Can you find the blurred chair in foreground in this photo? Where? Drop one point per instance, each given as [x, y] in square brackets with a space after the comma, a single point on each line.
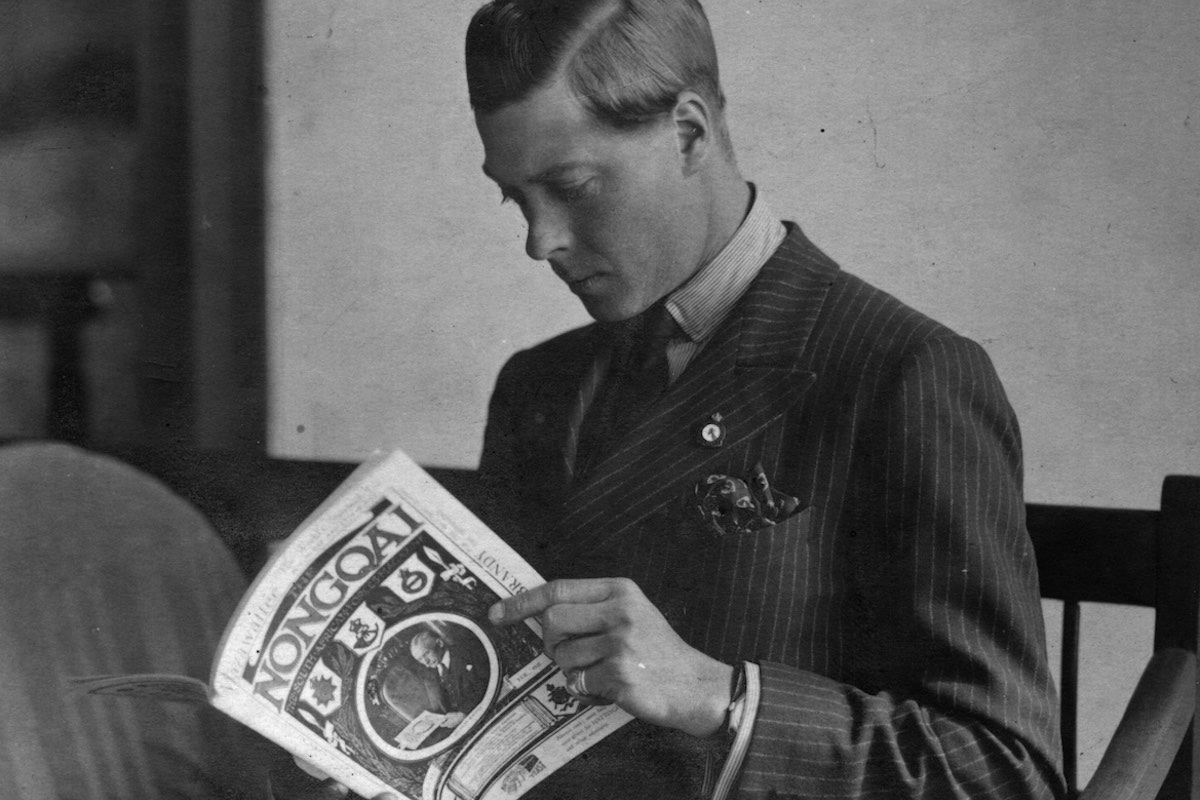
[107, 571]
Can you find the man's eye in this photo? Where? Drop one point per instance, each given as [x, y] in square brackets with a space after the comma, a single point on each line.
[577, 191]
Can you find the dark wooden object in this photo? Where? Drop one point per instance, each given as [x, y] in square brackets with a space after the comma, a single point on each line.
[254, 499]
[63, 301]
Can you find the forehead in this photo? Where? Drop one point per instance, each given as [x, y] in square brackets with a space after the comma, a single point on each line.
[548, 130]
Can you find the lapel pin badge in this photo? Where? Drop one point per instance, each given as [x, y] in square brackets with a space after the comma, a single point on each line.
[712, 433]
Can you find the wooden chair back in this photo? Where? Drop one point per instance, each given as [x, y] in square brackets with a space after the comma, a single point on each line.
[1145, 558]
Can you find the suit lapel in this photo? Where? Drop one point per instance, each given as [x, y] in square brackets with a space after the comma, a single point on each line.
[747, 374]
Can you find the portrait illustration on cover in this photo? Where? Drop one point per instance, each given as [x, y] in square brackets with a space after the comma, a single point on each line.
[428, 685]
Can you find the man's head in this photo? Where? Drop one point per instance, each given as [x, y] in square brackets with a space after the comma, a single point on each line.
[603, 120]
[427, 649]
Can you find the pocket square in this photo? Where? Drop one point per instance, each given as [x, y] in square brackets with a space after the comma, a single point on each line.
[725, 504]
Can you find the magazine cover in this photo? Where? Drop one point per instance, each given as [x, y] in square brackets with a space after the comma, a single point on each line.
[364, 648]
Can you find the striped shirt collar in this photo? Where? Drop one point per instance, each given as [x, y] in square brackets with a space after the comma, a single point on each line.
[706, 298]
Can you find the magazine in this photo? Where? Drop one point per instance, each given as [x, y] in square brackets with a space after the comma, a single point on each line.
[363, 647]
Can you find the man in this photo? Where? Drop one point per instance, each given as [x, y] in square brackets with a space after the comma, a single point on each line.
[460, 674]
[447, 681]
[800, 560]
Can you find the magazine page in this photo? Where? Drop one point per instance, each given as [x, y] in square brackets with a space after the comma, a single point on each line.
[364, 648]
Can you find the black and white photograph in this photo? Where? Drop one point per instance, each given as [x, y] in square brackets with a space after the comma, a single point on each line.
[833, 369]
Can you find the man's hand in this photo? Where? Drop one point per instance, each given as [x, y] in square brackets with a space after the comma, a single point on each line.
[631, 654]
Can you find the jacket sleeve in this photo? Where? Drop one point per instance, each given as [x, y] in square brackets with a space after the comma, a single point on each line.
[961, 703]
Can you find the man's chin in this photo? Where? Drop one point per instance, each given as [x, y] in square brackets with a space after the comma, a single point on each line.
[609, 309]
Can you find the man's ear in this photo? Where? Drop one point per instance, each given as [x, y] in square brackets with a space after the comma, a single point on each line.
[695, 129]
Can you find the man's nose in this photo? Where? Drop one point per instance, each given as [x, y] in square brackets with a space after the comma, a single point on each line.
[548, 233]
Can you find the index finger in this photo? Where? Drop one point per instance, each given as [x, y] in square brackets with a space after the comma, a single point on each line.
[535, 601]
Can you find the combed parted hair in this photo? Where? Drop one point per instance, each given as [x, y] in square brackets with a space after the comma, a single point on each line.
[626, 61]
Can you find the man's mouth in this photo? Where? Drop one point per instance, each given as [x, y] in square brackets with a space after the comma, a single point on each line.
[583, 284]
[578, 283]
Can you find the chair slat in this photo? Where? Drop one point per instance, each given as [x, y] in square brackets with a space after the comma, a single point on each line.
[1069, 695]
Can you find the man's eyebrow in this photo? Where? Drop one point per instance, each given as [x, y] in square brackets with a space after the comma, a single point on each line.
[558, 171]
[548, 175]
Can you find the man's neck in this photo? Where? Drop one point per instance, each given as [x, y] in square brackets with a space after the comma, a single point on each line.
[731, 197]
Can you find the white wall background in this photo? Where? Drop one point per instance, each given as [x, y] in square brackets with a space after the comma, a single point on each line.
[1028, 173]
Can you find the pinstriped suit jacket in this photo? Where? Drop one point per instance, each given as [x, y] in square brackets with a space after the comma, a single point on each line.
[896, 617]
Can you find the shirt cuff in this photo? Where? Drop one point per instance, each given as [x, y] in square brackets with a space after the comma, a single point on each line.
[743, 728]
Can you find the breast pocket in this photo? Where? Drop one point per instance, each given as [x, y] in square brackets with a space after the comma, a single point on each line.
[747, 557]
[754, 582]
